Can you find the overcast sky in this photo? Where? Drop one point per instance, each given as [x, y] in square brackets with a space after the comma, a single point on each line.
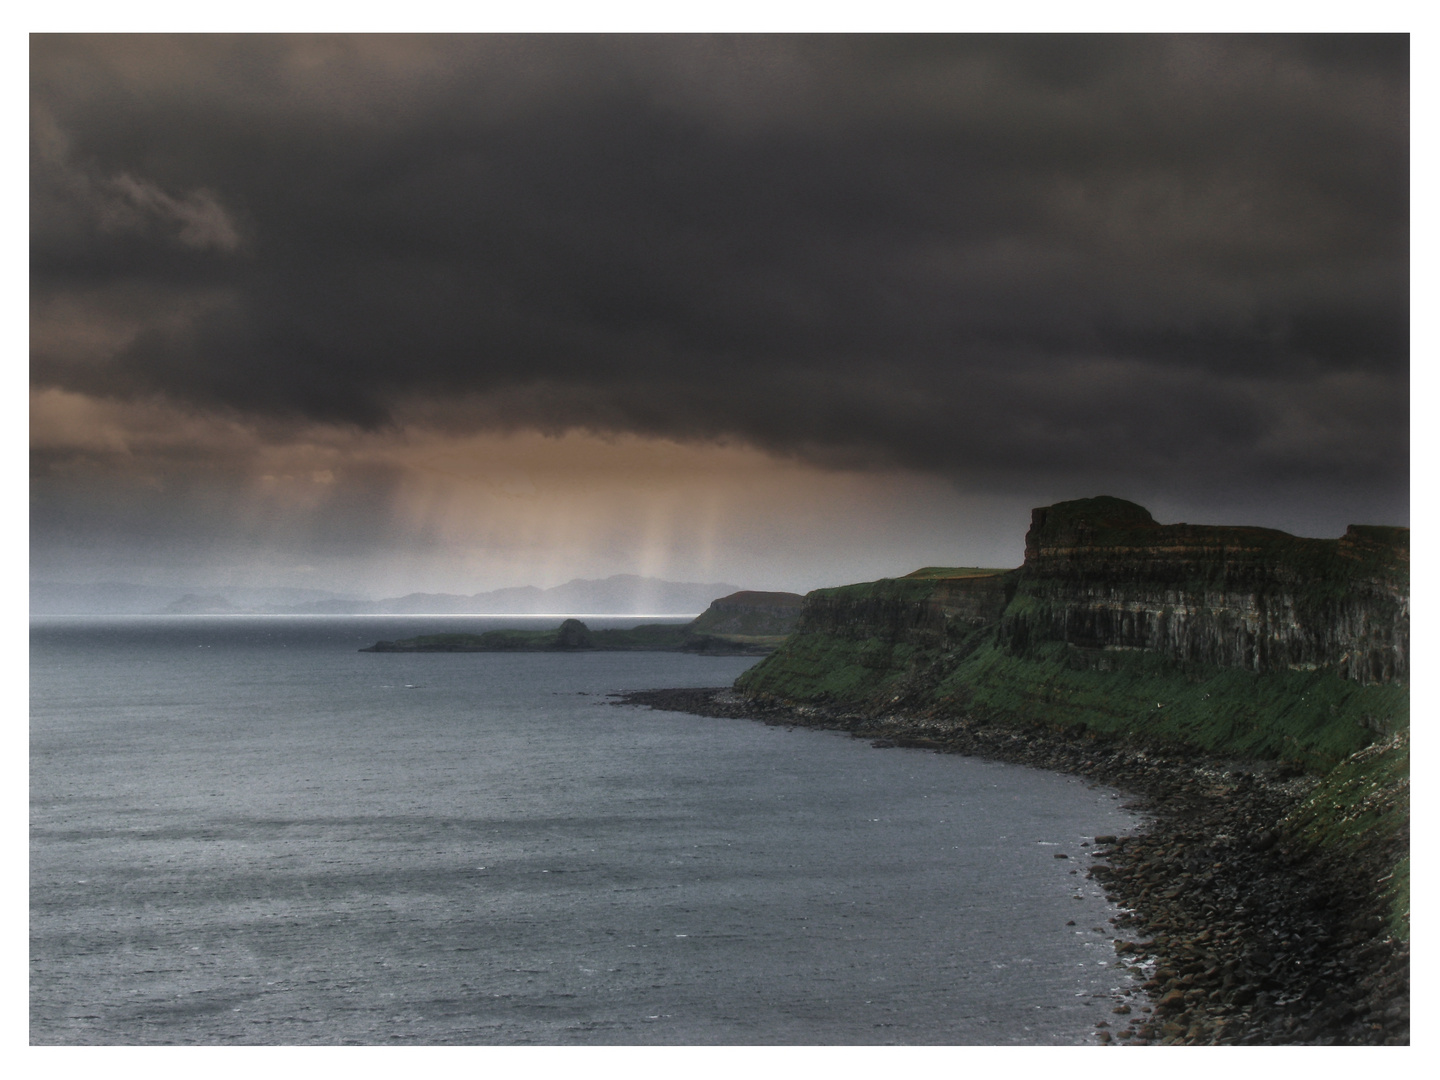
[383, 314]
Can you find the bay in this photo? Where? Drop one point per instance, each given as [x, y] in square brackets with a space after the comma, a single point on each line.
[243, 830]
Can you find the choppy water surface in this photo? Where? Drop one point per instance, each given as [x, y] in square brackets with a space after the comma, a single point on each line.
[245, 831]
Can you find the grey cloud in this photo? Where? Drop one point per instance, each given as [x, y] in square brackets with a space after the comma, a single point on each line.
[71, 201]
[1072, 260]
[197, 218]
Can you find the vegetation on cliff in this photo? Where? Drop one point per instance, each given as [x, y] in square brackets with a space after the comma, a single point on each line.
[1358, 816]
[1227, 640]
[762, 619]
[1313, 718]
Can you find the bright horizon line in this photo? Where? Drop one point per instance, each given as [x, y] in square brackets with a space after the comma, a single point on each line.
[379, 615]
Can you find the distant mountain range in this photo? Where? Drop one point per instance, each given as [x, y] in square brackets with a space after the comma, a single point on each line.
[120, 598]
[621, 594]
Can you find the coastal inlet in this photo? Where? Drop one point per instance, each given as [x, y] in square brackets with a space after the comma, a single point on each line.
[246, 831]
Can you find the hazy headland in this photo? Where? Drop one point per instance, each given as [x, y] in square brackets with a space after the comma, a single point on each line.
[619, 594]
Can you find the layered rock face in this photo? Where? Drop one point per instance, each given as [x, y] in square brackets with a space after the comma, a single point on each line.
[927, 611]
[1102, 574]
[750, 613]
[1103, 590]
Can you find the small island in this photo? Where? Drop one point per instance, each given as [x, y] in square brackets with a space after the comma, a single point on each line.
[741, 624]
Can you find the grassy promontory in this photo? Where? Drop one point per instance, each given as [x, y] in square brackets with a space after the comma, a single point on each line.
[1225, 640]
[1313, 718]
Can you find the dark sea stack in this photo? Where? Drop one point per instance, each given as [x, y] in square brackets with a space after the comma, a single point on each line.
[573, 634]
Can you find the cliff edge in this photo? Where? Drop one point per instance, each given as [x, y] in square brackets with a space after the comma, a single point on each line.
[1220, 638]
[1102, 573]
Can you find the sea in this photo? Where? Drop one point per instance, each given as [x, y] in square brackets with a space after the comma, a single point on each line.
[246, 831]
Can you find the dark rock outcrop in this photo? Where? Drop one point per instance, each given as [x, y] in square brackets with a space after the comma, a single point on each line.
[1103, 574]
[750, 613]
[929, 612]
[573, 634]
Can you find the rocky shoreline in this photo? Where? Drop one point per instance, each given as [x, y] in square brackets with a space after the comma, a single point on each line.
[1241, 933]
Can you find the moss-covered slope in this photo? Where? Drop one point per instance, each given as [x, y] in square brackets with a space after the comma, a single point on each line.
[750, 616]
[1359, 818]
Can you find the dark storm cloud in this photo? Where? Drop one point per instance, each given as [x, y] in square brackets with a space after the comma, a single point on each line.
[991, 257]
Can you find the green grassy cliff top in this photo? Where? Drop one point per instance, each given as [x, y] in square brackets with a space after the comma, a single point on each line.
[926, 573]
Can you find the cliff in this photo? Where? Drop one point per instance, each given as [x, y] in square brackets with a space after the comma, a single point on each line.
[931, 608]
[750, 614]
[1103, 574]
[1227, 639]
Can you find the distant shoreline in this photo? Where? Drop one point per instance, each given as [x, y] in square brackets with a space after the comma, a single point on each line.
[677, 617]
[622, 594]
[745, 623]
[574, 636]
